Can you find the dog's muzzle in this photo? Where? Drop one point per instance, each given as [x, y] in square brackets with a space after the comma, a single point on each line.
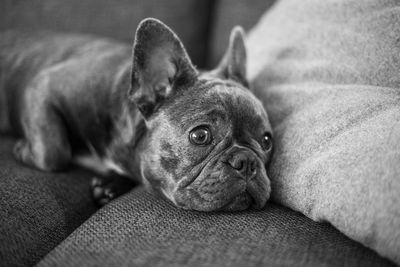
[237, 180]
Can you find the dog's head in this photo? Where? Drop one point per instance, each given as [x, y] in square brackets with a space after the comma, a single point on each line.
[208, 138]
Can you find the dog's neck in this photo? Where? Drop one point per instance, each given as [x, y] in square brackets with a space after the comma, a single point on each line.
[129, 127]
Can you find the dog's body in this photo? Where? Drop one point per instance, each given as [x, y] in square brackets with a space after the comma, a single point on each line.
[83, 78]
[81, 99]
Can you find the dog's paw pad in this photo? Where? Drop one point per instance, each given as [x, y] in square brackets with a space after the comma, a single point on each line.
[97, 192]
[109, 193]
[102, 193]
[96, 182]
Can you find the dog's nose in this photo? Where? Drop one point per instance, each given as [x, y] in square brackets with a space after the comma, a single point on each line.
[244, 162]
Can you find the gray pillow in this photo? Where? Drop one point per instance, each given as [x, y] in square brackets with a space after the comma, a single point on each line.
[328, 74]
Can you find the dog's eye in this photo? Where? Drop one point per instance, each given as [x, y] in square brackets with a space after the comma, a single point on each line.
[266, 142]
[200, 136]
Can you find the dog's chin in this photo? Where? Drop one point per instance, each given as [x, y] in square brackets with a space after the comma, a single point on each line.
[222, 190]
[242, 201]
[193, 201]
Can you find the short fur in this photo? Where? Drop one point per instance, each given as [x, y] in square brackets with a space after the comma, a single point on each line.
[81, 99]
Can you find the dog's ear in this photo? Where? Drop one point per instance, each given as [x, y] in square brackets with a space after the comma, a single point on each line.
[233, 64]
[160, 65]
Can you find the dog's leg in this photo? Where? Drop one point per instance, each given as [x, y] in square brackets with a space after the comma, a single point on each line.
[111, 182]
[48, 149]
[45, 145]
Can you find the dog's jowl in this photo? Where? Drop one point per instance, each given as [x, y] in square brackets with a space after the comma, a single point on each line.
[200, 139]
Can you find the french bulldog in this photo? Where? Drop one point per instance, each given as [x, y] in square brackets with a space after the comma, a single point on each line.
[200, 139]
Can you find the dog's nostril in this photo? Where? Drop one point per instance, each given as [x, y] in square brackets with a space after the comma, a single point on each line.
[240, 165]
[253, 165]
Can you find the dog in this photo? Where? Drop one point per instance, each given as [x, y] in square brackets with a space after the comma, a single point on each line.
[200, 139]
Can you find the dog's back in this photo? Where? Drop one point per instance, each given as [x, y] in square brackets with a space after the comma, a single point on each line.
[24, 55]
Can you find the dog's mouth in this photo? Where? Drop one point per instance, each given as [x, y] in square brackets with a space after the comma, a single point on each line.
[219, 187]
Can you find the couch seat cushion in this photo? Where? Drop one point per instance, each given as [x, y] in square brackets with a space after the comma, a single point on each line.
[37, 210]
[139, 229]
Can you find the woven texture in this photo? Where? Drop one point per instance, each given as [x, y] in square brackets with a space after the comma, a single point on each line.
[328, 75]
[117, 19]
[139, 229]
[37, 210]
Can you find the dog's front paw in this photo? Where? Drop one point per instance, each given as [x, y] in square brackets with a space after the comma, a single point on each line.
[21, 151]
[105, 189]
[102, 191]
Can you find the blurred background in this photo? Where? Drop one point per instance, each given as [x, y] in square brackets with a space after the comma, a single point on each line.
[203, 25]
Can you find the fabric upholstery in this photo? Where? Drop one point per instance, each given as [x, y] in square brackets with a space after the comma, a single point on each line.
[37, 210]
[139, 229]
[117, 19]
[328, 74]
[226, 15]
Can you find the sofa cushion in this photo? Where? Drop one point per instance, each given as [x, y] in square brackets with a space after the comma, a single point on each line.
[139, 229]
[117, 19]
[328, 75]
[37, 210]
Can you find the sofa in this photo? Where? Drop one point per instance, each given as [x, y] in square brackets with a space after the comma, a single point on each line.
[326, 73]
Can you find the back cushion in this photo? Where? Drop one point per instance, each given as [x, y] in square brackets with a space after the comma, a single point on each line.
[328, 74]
[226, 15]
[117, 19]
